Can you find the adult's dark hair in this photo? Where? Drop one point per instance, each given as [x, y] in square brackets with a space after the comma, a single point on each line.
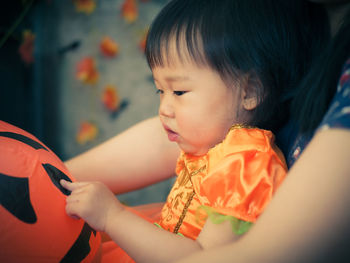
[268, 39]
[319, 86]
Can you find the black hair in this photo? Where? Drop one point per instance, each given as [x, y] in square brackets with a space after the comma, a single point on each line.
[269, 39]
[319, 86]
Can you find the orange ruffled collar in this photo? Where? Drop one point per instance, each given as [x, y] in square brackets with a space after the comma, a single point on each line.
[246, 164]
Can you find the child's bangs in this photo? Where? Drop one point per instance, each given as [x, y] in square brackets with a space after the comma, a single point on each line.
[175, 37]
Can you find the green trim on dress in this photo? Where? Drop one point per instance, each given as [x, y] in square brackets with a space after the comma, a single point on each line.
[239, 226]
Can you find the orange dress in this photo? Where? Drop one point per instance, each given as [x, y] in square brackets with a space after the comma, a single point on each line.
[234, 181]
[236, 178]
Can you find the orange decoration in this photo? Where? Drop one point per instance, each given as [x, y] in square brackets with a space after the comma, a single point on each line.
[27, 47]
[110, 98]
[142, 43]
[109, 47]
[85, 6]
[34, 224]
[130, 11]
[87, 132]
[86, 71]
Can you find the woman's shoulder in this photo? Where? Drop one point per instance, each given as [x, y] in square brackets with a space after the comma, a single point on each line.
[338, 114]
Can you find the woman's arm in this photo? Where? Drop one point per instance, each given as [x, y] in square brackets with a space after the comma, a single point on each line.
[308, 219]
[140, 156]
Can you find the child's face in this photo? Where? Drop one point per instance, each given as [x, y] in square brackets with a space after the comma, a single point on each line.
[196, 107]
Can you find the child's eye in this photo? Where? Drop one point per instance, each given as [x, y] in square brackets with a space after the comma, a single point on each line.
[179, 93]
[159, 91]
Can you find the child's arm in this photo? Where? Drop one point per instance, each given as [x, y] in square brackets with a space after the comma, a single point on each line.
[113, 162]
[142, 240]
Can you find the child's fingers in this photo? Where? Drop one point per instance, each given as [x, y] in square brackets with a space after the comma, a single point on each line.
[72, 186]
[75, 201]
[72, 211]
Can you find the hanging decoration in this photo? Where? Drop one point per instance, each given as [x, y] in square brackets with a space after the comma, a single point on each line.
[109, 47]
[86, 71]
[110, 98]
[85, 6]
[142, 43]
[87, 132]
[26, 49]
[129, 11]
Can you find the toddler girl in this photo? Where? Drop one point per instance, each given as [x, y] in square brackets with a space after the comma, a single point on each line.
[222, 70]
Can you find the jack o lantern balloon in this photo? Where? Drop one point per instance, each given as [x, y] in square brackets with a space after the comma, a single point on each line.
[34, 226]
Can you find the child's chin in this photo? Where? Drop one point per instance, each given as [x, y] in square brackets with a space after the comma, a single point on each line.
[193, 151]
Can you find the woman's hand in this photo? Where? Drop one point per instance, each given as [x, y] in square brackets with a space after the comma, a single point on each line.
[93, 202]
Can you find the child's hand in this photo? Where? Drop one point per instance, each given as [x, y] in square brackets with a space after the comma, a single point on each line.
[93, 202]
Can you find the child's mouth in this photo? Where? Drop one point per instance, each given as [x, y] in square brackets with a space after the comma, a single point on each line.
[172, 136]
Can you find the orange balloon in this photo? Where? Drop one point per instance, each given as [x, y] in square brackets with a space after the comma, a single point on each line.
[34, 225]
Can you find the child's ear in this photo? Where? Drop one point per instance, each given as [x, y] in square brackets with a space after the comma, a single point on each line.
[250, 93]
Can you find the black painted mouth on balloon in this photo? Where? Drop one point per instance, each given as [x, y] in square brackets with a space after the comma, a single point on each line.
[81, 247]
[15, 198]
[56, 175]
[26, 140]
[14, 191]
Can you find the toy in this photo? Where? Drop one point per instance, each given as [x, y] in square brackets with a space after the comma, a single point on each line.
[34, 225]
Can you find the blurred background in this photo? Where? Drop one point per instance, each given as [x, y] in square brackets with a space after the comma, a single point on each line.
[74, 73]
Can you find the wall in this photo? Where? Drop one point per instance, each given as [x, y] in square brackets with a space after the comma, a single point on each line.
[64, 37]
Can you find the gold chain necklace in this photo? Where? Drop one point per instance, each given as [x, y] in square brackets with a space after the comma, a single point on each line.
[184, 211]
[188, 203]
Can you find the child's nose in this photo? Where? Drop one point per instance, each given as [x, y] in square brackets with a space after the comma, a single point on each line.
[165, 107]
